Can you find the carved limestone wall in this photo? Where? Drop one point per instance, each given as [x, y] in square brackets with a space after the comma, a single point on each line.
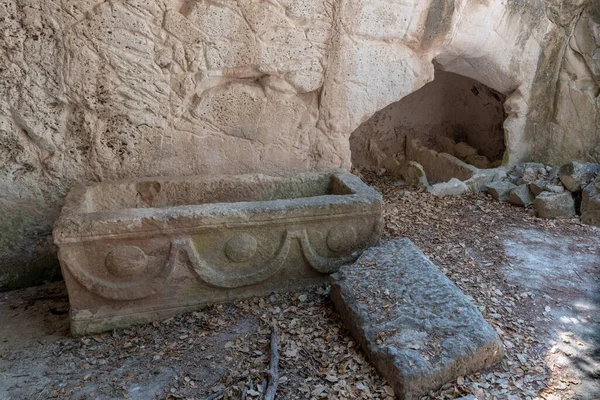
[101, 89]
[450, 107]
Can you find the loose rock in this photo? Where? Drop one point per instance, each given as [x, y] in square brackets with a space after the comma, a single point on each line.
[464, 150]
[500, 190]
[414, 174]
[521, 196]
[537, 187]
[552, 205]
[478, 161]
[418, 329]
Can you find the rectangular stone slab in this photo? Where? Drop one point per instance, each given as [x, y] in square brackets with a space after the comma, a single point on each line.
[417, 328]
[138, 250]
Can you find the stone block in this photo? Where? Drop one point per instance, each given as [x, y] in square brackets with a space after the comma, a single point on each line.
[138, 250]
[416, 327]
[500, 190]
[521, 196]
[464, 150]
[552, 205]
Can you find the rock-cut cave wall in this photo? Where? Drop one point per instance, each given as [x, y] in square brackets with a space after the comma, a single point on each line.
[102, 89]
[449, 107]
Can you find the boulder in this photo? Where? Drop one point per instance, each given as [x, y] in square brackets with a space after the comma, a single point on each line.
[576, 175]
[454, 187]
[500, 190]
[590, 204]
[521, 196]
[416, 327]
[464, 150]
[552, 205]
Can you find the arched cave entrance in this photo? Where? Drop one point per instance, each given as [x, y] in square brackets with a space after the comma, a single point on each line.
[452, 114]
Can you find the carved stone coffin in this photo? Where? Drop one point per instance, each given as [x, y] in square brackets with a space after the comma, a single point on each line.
[134, 251]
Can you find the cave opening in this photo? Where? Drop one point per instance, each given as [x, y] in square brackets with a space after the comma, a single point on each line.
[452, 114]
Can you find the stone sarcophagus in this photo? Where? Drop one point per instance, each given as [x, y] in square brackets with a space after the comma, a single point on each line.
[137, 250]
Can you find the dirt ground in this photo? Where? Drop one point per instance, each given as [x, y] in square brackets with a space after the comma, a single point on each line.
[535, 281]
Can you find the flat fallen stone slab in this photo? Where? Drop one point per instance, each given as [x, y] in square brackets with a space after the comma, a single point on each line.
[417, 328]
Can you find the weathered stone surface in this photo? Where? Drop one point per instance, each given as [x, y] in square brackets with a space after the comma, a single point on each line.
[439, 167]
[554, 188]
[552, 205]
[102, 90]
[576, 175]
[413, 174]
[529, 176]
[464, 150]
[478, 161]
[454, 187]
[500, 190]
[537, 187]
[416, 327]
[136, 250]
[521, 196]
[590, 204]
[481, 178]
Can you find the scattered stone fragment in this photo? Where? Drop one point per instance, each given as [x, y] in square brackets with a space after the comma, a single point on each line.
[454, 187]
[590, 204]
[464, 150]
[552, 205]
[500, 190]
[418, 329]
[576, 175]
[521, 196]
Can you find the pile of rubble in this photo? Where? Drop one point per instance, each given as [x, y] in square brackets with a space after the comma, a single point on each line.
[465, 152]
[554, 192]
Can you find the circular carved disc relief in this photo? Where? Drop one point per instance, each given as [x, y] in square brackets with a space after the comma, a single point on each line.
[126, 261]
[341, 238]
[241, 247]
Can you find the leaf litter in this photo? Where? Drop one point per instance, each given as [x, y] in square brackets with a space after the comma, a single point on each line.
[222, 351]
